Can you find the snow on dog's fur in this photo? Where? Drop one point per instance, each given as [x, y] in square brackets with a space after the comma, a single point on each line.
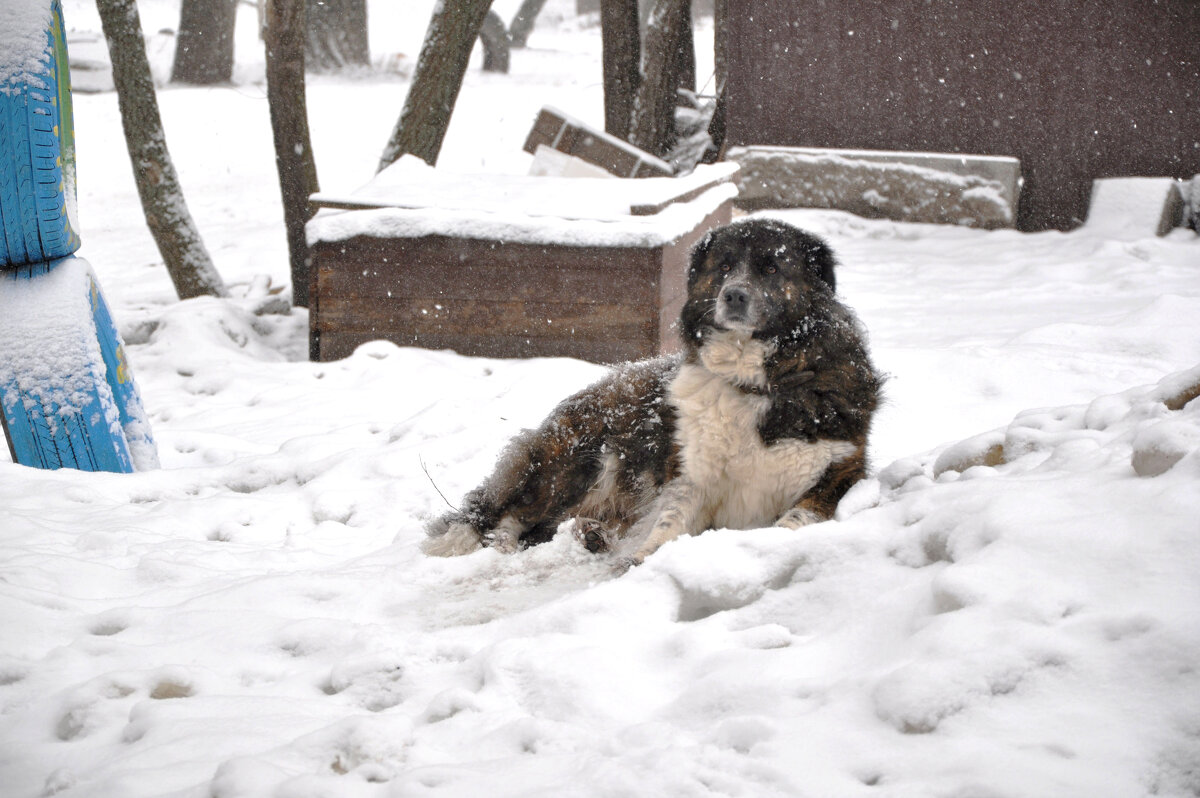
[762, 420]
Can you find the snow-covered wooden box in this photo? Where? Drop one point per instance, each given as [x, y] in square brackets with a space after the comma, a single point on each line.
[507, 265]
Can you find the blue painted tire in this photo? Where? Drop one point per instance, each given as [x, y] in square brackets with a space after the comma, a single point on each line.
[67, 395]
[37, 158]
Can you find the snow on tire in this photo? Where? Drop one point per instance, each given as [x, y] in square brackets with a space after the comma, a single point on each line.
[67, 396]
[37, 143]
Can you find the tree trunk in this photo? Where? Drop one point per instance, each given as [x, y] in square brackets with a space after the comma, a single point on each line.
[720, 43]
[337, 35]
[622, 52]
[204, 45]
[716, 127]
[284, 39]
[685, 49]
[522, 22]
[178, 241]
[663, 64]
[494, 39]
[436, 82]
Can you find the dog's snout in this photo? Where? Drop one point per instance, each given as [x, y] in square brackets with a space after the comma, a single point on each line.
[735, 297]
[736, 306]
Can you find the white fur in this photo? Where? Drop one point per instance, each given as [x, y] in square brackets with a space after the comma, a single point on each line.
[506, 537]
[736, 356]
[458, 539]
[601, 498]
[728, 477]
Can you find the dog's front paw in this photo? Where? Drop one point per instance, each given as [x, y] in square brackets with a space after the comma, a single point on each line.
[505, 537]
[502, 540]
[798, 517]
[594, 536]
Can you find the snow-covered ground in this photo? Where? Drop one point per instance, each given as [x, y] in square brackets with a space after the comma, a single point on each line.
[1010, 608]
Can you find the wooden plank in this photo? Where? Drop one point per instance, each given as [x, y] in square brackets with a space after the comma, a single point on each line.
[375, 269]
[436, 249]
[558, 131]
[337, 345]
[478, 281]
[484, 318]
[649, 209]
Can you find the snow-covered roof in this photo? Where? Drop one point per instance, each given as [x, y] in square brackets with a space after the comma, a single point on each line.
[582, 211]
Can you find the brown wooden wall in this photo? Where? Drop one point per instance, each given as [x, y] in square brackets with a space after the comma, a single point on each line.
[486, 299]
[1077, 89]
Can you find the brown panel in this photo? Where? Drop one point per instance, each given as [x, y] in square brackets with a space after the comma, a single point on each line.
[486, 298]
[337, 345]
[452, 269]
[1076, 89]
[483, 317]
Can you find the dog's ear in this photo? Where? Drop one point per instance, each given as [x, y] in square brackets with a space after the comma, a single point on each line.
[819, 260]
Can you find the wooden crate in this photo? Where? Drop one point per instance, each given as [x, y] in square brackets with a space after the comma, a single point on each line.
[440, 284]
[493, 299]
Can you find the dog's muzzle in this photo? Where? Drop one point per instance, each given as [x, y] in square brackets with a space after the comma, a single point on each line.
[735, 306]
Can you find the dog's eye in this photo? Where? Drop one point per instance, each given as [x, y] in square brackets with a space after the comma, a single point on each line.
[771, 269]
[726, 268]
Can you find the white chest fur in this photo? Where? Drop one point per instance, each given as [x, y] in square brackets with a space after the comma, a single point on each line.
[739, 482]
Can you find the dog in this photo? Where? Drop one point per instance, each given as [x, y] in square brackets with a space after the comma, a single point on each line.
[761, 420]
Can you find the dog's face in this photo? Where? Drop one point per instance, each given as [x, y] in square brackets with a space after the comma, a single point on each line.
[760, 276]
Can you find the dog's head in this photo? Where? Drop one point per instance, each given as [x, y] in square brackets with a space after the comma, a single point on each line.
[762, 277]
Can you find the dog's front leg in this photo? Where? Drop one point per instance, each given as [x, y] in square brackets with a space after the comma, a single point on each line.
[820, 502]
[505, 537]
[679, 512]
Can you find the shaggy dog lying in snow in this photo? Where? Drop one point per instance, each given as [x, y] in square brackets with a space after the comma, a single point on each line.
[761, 421]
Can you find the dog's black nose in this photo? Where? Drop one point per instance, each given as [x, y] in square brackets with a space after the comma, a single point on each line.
[735, 298]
